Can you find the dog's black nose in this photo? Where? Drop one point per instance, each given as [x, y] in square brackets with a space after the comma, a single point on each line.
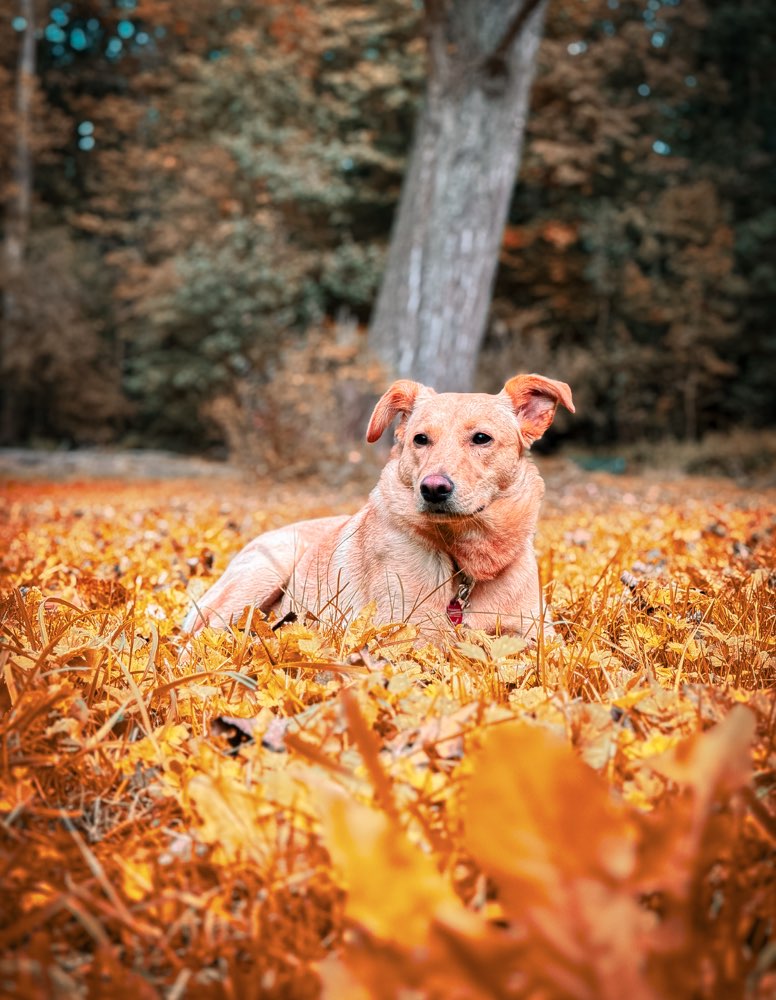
[436, 489]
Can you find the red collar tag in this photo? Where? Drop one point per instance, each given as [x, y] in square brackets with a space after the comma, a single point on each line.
[455, 611]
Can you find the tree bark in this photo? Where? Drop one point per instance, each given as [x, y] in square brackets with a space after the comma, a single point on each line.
[17, 216]
[432, 309]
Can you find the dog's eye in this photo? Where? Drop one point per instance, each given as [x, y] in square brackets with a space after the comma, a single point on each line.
[420, 440]
[481, 438]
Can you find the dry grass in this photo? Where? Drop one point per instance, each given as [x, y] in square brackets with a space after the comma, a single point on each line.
[291, 811]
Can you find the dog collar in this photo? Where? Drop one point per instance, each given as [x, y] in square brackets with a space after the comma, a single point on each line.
[460, 602]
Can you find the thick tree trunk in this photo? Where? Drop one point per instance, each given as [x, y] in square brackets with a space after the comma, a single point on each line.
[431, 312]
[17, 217]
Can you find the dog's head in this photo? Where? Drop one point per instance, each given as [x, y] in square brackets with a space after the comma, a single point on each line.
[457, 452]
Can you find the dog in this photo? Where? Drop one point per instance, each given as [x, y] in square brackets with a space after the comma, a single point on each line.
[445, 538]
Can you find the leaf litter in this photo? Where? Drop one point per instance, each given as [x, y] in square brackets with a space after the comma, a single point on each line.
[286, 811]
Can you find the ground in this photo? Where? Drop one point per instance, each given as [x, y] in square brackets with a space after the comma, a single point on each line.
[285, 812]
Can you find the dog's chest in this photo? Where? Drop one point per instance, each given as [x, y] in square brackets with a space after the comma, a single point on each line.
[396, 564]
[422, 583]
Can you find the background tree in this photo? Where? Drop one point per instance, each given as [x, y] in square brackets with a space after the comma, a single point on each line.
[58, 379]
[435, 294]
[18, 197]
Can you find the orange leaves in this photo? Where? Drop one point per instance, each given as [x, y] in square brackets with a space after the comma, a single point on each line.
[543, 826]
[545, 829]
[716, 763]
[559, 234]
[571, 869]
[394, 889]
[295, 809]
[227, 817]
[535, 813]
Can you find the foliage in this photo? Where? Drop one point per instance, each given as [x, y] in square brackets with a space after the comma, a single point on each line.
[625, 250]
[262, 220]
[296, 811]
[237, 186]
[745, 455]
[68, 340]
[309, 417]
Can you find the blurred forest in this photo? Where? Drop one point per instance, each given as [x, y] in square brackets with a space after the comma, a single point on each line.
[212, 186]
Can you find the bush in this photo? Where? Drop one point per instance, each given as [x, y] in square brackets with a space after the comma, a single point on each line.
[309, 417]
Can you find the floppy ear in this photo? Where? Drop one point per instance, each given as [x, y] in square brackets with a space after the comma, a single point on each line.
[400, 398]
[535, 399]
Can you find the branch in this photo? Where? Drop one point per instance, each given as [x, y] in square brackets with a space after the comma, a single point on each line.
[494, 64]
[434, 11]
[436, 16]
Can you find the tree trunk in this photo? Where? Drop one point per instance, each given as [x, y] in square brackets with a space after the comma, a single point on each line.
[431, 312]
[17, 217]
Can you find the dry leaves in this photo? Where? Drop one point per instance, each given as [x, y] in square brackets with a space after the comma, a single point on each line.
[290, 812]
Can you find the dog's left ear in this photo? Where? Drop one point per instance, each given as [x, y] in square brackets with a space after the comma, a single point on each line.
[400, 398]
[535, 399]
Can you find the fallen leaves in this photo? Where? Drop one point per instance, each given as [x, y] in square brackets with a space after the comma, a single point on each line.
[290, 811]
[572, 870]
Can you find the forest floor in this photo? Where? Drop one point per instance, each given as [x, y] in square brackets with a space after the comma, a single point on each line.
[285, 812]
[98, 463]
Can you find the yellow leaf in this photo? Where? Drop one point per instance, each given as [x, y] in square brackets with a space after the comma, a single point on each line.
[536, 816]
[507, 645]
[471, 651]
[715, 761]
[394, 889]
[543, 826]
[338, 982]
[361, 629]
[312, 647]
[690, 650]
[229, 817]
[656, 743]
[632, 698]
[137, 878]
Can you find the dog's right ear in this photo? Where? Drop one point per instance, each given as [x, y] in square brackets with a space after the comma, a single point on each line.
[400, 398]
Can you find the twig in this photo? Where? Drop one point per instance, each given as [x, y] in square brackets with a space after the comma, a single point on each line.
[496, 58]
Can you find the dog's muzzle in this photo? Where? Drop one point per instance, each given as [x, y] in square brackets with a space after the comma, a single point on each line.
[436, 491]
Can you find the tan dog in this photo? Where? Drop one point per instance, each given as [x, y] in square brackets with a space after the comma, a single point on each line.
[445, 537]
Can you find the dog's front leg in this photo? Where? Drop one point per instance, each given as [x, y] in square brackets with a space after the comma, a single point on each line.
[511, 602]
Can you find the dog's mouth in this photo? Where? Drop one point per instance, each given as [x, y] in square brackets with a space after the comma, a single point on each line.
[440, 511]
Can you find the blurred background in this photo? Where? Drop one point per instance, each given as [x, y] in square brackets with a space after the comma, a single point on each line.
[198, 199]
